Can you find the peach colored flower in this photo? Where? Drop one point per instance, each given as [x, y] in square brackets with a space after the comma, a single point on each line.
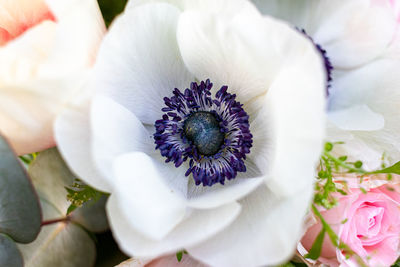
[46, 50]
[368, 223]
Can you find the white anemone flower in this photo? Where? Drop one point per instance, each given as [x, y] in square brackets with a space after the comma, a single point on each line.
[47, 48]
[361, 39]
[239, 177]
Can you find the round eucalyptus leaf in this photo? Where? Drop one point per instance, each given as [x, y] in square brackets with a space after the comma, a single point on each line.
[62, 244]
[20, 214]
[9, 253]
[50, 175]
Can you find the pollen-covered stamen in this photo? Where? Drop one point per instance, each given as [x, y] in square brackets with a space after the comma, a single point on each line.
[213, 133]
[203, 130]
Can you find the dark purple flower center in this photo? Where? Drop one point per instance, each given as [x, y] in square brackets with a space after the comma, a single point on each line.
[211, 133]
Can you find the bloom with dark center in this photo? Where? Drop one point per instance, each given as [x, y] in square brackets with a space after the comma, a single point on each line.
[213, 133]
[253, 131]
[361, 41]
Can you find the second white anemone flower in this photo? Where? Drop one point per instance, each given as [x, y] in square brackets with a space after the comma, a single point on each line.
[360, 41]
[206, 127]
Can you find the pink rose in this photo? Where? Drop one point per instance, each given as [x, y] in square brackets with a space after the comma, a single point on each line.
[46, 50]
[368, 223]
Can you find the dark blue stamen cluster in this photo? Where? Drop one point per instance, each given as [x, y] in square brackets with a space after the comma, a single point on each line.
[327, 61]
[212, 133]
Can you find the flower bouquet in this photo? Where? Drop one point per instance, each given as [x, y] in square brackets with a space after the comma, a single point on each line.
[226, 133]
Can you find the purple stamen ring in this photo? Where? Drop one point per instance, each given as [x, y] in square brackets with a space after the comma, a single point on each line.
[212, 133]
[327, 61]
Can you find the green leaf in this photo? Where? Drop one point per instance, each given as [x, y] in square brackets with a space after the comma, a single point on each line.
[394, 169]
[179, 255]
[71, 208]
[316, 248]
[328, 147]
[20, 214]
[28, 158]
[80, 193]
[397, 263]
[363, 190]
[9, 253]
[111, 8]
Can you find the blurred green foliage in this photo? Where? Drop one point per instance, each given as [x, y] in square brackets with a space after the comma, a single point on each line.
[111, 8]
[397, 263]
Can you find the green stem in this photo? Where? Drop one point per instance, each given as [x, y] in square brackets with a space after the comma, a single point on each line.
[344, 165]
[335, 239]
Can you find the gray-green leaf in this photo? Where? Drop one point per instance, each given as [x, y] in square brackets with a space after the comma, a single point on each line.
[51, 176]
[20, 214]
[9, 253]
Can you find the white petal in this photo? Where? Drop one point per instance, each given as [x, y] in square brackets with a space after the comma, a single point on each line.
[355, 148]
[80, 29]
[216, 6]
[375, 85]
[145, 198]
[139, 63]
[296, 112]
[115, 131]
[198, 226]
[28, 128]
[205, 198]
[41, 69]
[357, 118]
[261, 120]
[27, 110]
[72, 133]
[240, 50]
[357, 32]
[265, 233]
[353, 32]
